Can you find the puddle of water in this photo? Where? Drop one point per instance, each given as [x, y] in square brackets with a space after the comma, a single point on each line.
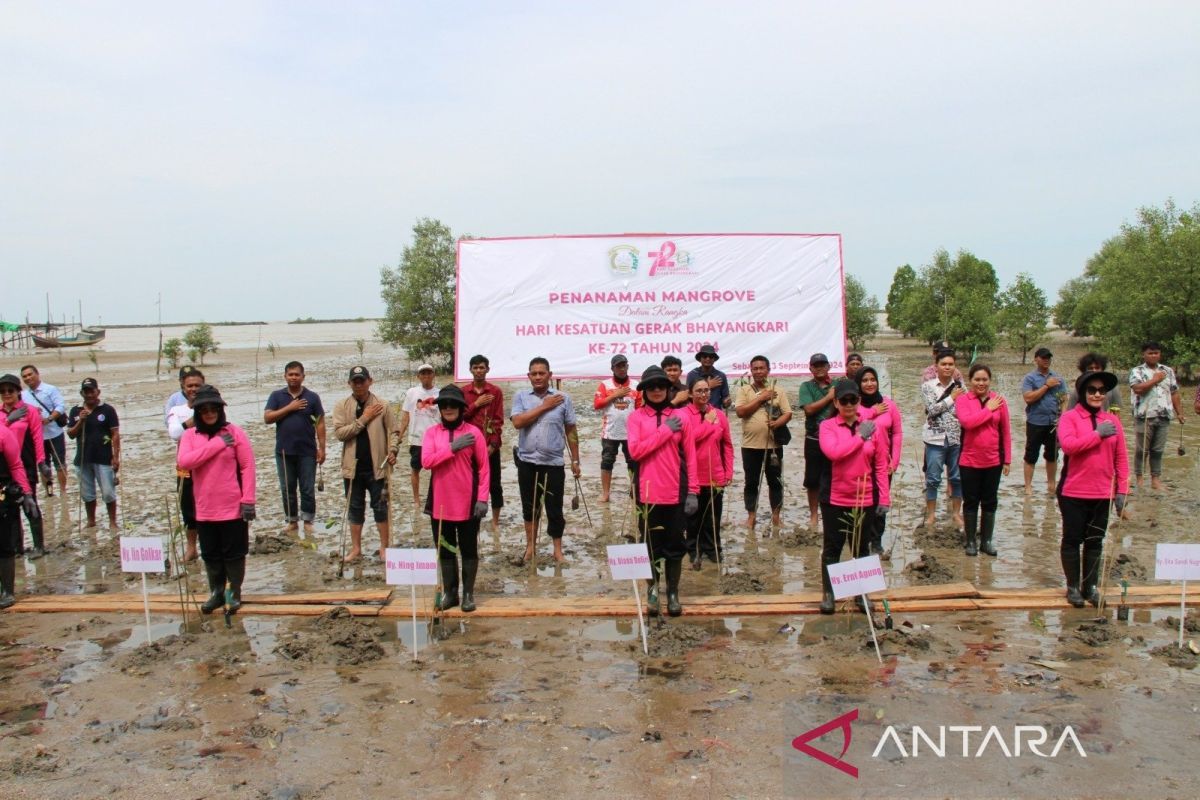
[85, 655]
[612, 630]
[262, 635]
[137, 634]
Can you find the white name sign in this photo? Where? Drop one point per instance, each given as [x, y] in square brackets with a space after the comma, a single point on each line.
[1177, 562]
[141, 554]
[857, 576]
[411, 566]
[629, 562]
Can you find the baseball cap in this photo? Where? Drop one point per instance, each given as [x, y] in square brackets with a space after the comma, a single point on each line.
[89, 383]
[619, 359]
[359, 372]
[10, 379]
[1043, 352]
[425, 368]
[818, 358]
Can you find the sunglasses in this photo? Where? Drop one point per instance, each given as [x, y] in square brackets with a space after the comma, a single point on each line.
[1094, 390]
[850, 400]
[9, 389]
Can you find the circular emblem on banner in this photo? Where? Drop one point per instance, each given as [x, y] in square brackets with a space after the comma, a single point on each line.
[623, 260]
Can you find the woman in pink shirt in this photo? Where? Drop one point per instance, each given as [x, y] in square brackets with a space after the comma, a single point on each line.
[886, 414]
[986, 455]
[456, 455]
[17, 496]
[667, 480]
[221, 461]
[714, 467]
[854, 487]
[1095, 475]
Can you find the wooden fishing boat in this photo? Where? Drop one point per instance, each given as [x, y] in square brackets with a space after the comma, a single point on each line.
[84, 338]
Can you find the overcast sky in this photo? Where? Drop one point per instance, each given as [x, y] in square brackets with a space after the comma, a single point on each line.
[264, 160]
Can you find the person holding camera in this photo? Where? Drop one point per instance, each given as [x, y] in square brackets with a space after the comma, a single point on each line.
[765, 413]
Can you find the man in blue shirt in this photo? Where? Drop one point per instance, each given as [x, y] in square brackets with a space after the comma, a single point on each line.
[545, 419]
[718, 384]
[299, 421]
[1045, 394]
[49, 403]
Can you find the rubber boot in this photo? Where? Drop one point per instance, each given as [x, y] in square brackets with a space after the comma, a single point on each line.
[215, 570]
[1070, 565]
[674, 570]
[470, 567]
[236, 572]
[1092, 554]
[8, 581]
[37, 533]
[827, 602]
[987, 528]
[449, 583]
[971, 520]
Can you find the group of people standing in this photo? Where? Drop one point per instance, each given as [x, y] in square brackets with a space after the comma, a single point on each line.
[673, 432]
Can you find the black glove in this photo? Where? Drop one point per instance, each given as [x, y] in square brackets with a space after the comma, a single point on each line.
[31, 507]
[466, 440]
[691, 505]
[866, 430]
[1106, 429]
[227, 437]
[674, 423]
[1119, 502]
[480, 510]
[248, 512]
[17, 414]
[882, 510]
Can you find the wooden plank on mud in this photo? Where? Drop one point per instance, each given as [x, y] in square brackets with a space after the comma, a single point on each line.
[85, 601]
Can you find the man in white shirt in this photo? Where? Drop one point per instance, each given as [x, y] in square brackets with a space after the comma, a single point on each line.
[418, 414]
[179, 419]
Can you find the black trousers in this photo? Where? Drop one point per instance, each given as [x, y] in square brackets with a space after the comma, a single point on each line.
[10, 531]
[756, 463]
[840, 525]
[704, 527]
[1084, 521]
[494, 487]
[661, 528]
[542, 486]
[980, 487]
[187, 500]
[227, 540]
[462, 535]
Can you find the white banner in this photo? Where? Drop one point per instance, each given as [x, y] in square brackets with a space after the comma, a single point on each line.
[579, 300]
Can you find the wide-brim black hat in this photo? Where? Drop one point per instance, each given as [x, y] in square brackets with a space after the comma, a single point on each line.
[654, 374]
[207, 396]
[451, 395]
[1110, 382]
[707, 350]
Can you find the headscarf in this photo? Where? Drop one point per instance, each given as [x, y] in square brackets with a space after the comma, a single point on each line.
[868, 400]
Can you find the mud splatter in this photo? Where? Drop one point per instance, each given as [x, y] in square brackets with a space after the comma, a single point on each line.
[1175, 657]
[672, 640]
[270, 543]
[928, 570]
[1127, 567]
[741, 583]
[143, 658]
[1191, 623]
[334, 637]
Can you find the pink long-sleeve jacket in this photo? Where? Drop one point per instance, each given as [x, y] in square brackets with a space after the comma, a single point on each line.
[986, 435]
[714, 446]
[32, 422]
[665, 459]
[216, 469]
[893, 428]
[456, 480]
[859, 468]
[1093, 464]
[12, 458]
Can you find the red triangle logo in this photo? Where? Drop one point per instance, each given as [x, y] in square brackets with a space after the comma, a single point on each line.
[801, 742]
